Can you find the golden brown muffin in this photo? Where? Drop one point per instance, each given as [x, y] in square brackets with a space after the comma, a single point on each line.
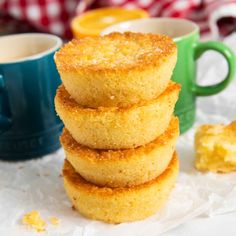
[116, 69]
[116, 205]
[122, 168]
[114, 127]
[216, 148]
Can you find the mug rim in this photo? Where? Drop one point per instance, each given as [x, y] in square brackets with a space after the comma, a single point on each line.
[111, 28]
[58, 43]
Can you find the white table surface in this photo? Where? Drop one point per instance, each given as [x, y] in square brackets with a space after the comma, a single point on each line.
[221, 225]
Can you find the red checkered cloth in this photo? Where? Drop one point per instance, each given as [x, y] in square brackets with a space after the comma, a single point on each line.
[45, 15]
[54, 16]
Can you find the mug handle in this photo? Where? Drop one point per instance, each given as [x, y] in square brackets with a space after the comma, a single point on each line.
[199, 49]
[5, 122]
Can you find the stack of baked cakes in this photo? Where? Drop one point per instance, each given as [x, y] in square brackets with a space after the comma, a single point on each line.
[117, 105]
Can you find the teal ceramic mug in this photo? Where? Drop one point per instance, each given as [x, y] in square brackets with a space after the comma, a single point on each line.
[29, 126]
[186, 35]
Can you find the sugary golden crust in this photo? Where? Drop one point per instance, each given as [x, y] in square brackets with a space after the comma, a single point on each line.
[81, 184]
[114, 52]
[100, 155]
[116, 205]
[117, 69]
[114, 127]
[70, 104]
[122, 168]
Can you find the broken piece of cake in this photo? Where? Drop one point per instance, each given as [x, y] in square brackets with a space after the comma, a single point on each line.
[216, 148]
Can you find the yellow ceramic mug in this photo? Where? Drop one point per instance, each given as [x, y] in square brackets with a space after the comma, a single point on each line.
[91, 23]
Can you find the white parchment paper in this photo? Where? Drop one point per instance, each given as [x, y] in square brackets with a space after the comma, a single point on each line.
[37, 184]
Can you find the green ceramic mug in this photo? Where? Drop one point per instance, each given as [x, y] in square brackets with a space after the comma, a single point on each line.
[186, 35]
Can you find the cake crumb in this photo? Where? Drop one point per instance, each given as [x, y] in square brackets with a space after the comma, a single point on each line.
[34, 220]
[54, 220]
[216, 148]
